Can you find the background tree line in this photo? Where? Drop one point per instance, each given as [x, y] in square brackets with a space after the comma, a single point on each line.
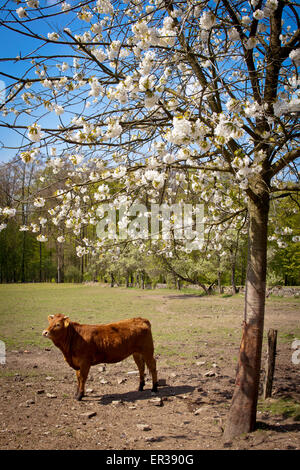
[24, 259]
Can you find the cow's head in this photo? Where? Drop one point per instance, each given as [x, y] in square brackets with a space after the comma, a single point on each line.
[57, 326]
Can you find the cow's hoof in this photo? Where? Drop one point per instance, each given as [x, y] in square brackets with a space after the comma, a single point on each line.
[79, 396]
[154, 388]
[141, 387]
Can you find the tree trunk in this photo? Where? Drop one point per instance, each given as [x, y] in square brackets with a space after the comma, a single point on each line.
[23, 275]
[243, 265]
[242, 415]
[60, 263]
[220, 290]
[233, 268]
[233, 284]
[143, 280]
[41, 260]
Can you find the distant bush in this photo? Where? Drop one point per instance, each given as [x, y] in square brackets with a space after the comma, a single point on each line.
[274, 279]
[72, 274]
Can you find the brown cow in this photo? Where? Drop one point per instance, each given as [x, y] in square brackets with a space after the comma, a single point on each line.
[86, 345]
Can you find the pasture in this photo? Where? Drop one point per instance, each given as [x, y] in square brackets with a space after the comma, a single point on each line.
[196, 342]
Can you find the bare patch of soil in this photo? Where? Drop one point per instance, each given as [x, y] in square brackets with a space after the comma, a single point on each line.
[38, 409]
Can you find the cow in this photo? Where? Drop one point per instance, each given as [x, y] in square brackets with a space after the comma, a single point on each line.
[84, 346]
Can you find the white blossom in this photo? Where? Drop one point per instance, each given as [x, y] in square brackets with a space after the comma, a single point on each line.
[39, 202]
[144, 37]
[228, 128]
[53, 36]
[233, 34]
[42, 221]
[96, 88]
[270, 7]
[295, 56]
[100, 54]
[251, 43]
[168, 158]
[96, 28]
[258, 14]
[167, 33]
[253, 110]
[59, 110]
[207, 20]
[104, 6]
[234, 106]
[147, 63]
[47, 83]
[32, 3]
[119, 172]
[42, 238]
[29, 156]
[146, 82]
[85, 15]
[246, 20]
[8, 212]
[151, 100]
[65, 7]
[114, 129]
[21, 12]
[76, 159]
[34, 132]
[81, 251]
[113, 50]
[56, 163]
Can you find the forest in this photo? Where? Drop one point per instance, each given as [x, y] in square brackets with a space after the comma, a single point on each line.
[25, 259]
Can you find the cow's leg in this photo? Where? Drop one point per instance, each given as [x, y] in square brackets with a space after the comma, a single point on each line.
[82, 374]
[77, 388]
[151, 364]
[139, 360]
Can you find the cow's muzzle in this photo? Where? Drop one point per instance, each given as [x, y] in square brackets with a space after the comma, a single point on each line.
[45, 333]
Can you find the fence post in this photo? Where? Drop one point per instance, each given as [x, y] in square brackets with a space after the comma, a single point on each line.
[270, 363]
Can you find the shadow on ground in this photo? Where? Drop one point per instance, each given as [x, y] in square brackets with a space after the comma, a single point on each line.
[130, 397]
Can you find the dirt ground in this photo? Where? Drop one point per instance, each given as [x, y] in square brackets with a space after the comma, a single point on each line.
[38, 409]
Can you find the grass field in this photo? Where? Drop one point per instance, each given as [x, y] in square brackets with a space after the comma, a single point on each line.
[196, 341]
[183, 323]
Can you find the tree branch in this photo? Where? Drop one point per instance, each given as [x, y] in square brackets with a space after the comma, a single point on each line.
[283, 161]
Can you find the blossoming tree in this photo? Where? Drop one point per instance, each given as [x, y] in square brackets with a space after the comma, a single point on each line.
[151, 99]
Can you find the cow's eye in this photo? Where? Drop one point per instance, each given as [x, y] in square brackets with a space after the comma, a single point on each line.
[57, 325]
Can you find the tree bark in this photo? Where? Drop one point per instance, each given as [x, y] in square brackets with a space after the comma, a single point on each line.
[233, 283]
[220, 289]
[60, 263]
[242, 415]
[41, 262]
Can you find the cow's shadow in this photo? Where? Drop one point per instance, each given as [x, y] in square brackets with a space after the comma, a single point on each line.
[133, 396]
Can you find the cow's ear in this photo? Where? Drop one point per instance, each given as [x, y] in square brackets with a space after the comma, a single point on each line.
[66, 322]
[50, 317]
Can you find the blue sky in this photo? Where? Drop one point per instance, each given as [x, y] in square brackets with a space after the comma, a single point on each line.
[11, 45]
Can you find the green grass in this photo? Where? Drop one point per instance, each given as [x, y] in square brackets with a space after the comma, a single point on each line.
[24, 308]
[284, 407]
[184, 324]
[289, 337]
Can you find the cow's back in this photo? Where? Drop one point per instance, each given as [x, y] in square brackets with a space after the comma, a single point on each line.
[113, 342]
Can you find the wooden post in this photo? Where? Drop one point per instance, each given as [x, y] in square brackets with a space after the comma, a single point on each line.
[270, 365]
